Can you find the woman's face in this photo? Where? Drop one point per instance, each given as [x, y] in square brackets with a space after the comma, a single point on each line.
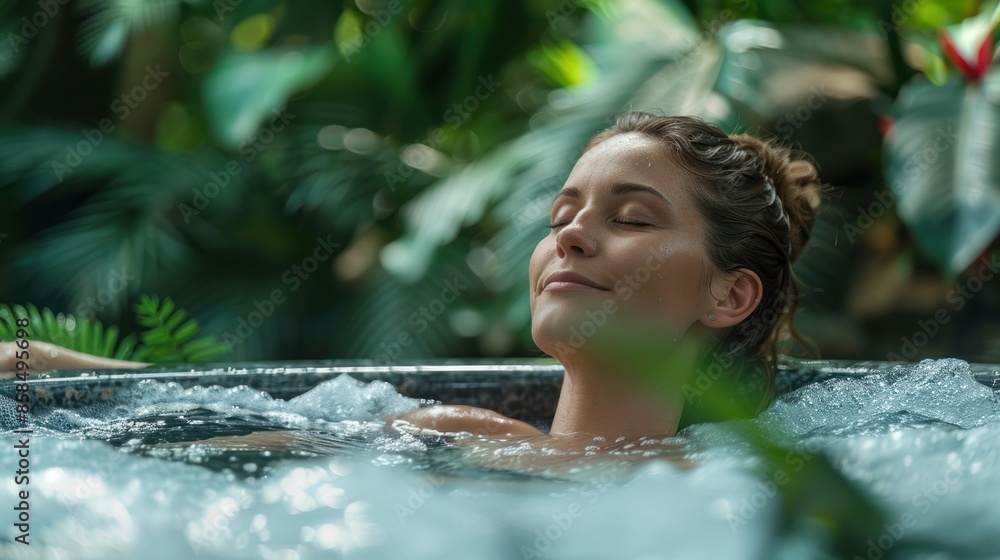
[626, 252]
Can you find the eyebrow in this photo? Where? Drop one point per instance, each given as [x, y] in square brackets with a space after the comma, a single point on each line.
[618, 189]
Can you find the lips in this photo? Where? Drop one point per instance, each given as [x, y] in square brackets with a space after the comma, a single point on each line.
[565, 279]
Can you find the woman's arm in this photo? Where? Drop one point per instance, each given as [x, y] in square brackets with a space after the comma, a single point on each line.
[45, 356]
[461, 418]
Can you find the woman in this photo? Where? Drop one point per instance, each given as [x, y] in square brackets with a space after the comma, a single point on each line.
[665, 283]
[669, 259]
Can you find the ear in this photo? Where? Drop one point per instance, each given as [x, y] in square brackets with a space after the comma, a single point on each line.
[743, 291]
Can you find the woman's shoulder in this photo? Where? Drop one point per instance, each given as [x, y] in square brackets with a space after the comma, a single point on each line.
[450, 418]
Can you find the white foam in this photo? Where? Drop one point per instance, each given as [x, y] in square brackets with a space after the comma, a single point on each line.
[921, 441]
[340, 399]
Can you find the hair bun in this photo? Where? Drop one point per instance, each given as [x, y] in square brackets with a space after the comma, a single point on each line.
[797, 183]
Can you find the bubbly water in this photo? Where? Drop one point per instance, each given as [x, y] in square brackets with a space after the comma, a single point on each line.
[920, 441]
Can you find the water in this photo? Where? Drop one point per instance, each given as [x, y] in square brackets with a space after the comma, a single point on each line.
[921, 442]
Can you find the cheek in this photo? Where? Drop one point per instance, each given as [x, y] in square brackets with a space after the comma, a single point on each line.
[536, 265]
[667, 282]
[536, 257]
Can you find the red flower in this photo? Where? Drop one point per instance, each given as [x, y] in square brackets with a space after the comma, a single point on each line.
[974, 70]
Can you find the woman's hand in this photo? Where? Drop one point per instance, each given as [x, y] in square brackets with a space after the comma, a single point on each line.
[45, 356]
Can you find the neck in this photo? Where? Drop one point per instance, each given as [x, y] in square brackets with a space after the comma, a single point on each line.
[612, 401]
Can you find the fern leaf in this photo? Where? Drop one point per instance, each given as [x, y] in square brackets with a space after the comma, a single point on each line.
[186, 331]
[166, 309]
[7, 329]
[126, 348]
[205, 349]
[96, 342]
[52, 327]
[172, 321]
[108, 344]
[74, 333]
[168, 337]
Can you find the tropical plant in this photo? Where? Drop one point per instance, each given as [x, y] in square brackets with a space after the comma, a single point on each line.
[425, 141]
[943, 142]
[167, 337]
[80, 334]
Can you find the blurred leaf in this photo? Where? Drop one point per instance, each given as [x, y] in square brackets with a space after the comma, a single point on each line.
[108, 24]
[639, 75]
[389, 309]
[766, 67]
[243, 89]
[562, 62]
[941, 163]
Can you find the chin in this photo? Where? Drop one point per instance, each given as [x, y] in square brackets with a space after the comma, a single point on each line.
[558, 332]
[549, 333]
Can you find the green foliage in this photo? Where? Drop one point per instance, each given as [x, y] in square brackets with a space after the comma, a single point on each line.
[943, 168]
[241, 90]
[75, 333]
[941, 152]
[398, 145]
[167, 338]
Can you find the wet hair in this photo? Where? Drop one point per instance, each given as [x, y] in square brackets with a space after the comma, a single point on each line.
[759, 204]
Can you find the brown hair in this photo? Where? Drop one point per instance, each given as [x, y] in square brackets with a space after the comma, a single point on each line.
[759, 205]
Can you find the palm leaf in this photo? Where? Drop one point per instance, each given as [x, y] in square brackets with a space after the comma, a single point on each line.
[108, 24]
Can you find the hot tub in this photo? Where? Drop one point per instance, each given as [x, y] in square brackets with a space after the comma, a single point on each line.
[865, 460]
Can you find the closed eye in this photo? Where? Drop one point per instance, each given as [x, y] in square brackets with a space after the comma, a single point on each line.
[627, 221]
[631, 222]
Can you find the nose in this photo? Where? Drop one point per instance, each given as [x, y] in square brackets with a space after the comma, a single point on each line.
[575, 238]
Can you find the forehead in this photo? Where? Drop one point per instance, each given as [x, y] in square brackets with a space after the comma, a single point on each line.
[633, 158]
